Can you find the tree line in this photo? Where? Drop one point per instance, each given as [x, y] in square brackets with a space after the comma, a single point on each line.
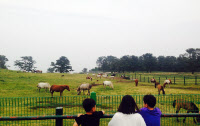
[26, 63]
[187, 62]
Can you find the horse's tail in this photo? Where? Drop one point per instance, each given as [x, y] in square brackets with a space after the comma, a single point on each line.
[174, 103]
[162, 88]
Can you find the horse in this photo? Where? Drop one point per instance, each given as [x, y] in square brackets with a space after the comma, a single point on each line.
[105, 75]
[98, 76]
[113, 75]
[89, 78]
[58, 88]
[136, 82]
[156, 83]
[84, 87]
[167, 82]
[153, 80]
[124, 77]
[36, 71]
[108, 83]
[160, 88]
[43, 85]
[187, 105]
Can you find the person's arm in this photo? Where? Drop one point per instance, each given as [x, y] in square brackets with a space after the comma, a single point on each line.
[75, 124]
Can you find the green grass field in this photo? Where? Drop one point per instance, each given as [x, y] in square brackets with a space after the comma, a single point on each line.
[20, 85]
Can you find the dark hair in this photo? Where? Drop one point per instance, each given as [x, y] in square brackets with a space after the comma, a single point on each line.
[88, 104]
[128, 105]
[150, 100]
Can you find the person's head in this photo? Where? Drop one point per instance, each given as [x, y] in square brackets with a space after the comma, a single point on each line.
[149, 101]
[128, 105]
[89, 105]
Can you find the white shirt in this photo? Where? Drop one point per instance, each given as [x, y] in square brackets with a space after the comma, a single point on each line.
[120, 119]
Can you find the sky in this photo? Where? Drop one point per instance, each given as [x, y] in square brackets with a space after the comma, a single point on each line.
[83, 30]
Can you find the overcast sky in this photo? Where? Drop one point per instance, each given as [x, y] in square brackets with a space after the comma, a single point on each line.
[83, 30]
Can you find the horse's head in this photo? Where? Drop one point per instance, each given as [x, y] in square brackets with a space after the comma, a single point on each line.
[78, 91]
[67, 87]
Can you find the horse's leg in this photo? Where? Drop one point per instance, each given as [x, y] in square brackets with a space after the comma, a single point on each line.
[52, 94]
[88, 92]
[158, 91]
[185, 117]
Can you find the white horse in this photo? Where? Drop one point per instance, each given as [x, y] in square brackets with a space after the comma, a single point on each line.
[105, 75]
[43, 85]
[108, 83]
[167, 82]
[98, 76]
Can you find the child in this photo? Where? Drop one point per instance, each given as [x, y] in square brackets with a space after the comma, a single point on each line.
[92, 117]
[150, 114]
[127, 114]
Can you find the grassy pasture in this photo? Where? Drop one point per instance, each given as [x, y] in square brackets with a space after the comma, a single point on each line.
[18, 84]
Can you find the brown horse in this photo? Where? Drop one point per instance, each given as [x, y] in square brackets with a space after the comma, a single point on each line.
[187, 105]
[89, 78]
[136, 82]
[160, 88]
[153, 80]
[58, 88]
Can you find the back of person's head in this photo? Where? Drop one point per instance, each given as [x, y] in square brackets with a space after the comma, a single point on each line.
[128, 105]
[150, 100]
[88, 104]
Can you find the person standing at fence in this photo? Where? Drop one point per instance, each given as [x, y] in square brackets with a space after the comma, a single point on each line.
[127, 115]
[92, 117]
[150, 114]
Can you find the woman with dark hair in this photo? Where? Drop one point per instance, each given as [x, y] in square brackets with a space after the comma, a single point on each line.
[127, 114]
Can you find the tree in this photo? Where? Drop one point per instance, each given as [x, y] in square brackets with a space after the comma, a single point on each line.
[3, 61]
[62, 65]
[193, 56]
[84, 70]
[26, 63]
[149, 62]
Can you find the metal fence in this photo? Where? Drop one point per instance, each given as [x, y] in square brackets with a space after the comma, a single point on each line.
[72, 105]
[184, 80]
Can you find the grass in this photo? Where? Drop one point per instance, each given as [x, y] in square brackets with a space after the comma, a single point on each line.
[28, 101]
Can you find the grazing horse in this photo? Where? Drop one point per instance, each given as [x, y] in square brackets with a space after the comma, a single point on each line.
[136, 82]
[124, 77]
[187, 105]
[43, 85]
[105, 75]
[112, 77]
[58, 88]
[89, 78]
[84, 87]
[98, 76]
[160, 88]
[36, 71]
[167, 82]
[108, 83]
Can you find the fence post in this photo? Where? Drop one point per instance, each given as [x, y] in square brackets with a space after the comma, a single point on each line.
[59, 111]
[144, 78]
[148, 79]
[174, 80]
[184, 80]
[140, 78]
[195, 80]
[93, 96]
[135, 75]
[159, 79]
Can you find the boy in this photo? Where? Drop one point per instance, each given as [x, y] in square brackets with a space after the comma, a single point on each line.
[92, 117]
[150, 114]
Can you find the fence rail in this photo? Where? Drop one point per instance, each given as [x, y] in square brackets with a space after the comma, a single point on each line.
[185, 80]
[59, 117]
[37, 107]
